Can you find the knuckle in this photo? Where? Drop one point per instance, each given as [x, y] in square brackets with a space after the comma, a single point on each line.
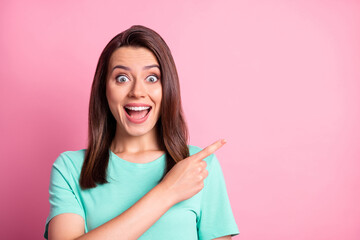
[204, 163]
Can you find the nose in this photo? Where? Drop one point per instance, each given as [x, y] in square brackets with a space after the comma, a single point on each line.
[138, 89]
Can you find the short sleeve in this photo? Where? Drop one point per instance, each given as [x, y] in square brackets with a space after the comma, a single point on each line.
[62, 195]
[216, 217]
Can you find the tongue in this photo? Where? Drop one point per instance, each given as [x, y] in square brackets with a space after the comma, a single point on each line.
[137, 114]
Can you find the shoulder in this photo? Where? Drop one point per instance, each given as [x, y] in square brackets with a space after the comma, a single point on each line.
[194, 149]
[70, 161]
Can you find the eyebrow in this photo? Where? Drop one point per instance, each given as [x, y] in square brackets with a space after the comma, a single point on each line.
[129, 69]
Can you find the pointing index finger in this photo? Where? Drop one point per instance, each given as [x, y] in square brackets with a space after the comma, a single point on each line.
[209, 150]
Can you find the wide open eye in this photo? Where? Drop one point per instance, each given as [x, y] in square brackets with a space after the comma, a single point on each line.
[122, 78]
[152, 78]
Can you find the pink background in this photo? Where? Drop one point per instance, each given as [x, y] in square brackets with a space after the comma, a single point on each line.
[280, 80]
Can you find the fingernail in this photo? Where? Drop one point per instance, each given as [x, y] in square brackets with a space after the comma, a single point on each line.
[223, 141]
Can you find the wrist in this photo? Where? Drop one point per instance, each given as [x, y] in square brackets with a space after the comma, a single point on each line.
[164, 193]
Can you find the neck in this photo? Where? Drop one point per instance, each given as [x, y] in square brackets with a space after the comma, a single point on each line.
[123, 142]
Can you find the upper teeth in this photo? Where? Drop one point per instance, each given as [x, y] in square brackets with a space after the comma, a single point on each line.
[137, 108]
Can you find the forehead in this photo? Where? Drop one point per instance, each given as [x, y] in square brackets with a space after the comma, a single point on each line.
[132, 56]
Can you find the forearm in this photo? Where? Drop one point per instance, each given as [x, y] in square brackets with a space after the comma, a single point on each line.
[132, 223]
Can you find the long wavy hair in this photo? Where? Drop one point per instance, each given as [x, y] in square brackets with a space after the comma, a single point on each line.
[171, 126]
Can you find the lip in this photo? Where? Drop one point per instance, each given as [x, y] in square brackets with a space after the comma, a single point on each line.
[140, 120]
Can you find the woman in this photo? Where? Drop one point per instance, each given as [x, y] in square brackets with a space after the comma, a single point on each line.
[138, 178]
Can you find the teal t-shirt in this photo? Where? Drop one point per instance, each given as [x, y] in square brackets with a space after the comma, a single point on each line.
[204, 216]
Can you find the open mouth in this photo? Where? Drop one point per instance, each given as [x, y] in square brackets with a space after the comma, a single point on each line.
[137, 112]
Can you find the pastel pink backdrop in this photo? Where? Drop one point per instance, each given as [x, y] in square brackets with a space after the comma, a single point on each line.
[280, 80]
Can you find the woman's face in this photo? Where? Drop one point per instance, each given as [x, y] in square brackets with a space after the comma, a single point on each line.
[133, 90]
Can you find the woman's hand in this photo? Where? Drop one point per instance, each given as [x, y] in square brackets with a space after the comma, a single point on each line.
[186, 178]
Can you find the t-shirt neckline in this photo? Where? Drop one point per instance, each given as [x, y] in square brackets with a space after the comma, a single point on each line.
[137, 165]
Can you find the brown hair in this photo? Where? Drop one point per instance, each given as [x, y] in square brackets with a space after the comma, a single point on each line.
[171, 126]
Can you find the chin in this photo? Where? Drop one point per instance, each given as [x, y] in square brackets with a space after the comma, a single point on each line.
[137, 131]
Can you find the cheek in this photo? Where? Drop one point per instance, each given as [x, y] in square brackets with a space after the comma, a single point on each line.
[109, 97]
[113, 94]
[157, 95]
[113, 98]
